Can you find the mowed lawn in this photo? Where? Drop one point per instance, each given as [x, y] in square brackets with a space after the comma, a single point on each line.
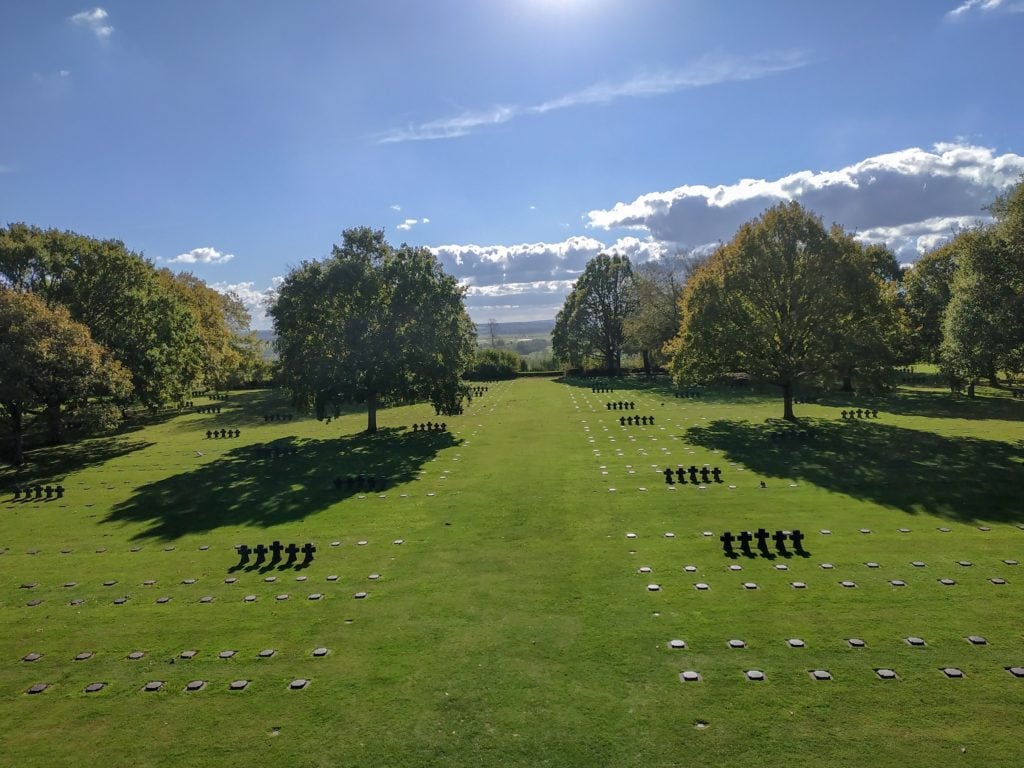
[512, 626]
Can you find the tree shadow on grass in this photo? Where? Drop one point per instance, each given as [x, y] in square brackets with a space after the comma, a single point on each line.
[961, 478]
[907, 402]
[53, 464]
[249, 487]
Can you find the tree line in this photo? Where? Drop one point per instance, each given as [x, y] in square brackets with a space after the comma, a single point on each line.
[795, 303]
[88, 327]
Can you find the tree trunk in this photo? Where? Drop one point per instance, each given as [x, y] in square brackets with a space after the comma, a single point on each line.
[53, 423]
[970, 390]
[371, 414]
[787, 401]
[847, 383]
[993, 379]
[17, 437]
[647, 363]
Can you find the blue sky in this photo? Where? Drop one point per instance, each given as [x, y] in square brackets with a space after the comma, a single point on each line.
[518, 138]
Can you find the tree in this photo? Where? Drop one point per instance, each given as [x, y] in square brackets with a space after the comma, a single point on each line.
[983, 324]
[773, 302]
[494, 364]
[927, 287]
[117, 295]
[229, 353]
[48, 362]
[375, 325]
[591, 322]
[657, 286]
[873, 329]
[492, 329]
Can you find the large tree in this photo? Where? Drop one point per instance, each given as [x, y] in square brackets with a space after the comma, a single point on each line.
[654, 319]
[373, 324]
[927, 285]
[117, 295]
[591, 323]
[48, 362]
[230, 354]
[774, 302]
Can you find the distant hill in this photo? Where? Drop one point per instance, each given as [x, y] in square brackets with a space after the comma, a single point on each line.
[526, 328]
[523, 329]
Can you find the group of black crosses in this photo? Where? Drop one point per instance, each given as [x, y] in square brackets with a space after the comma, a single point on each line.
[208, 409]
[430, 427]
[860, 413]
[761, 536]
[680, 475]
[30, 492]
[275, 550]
[636, 421]
[277, 417]
[214, 433]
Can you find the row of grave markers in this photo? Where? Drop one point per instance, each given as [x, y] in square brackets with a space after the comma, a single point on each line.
[636, 421]
[275, 549]
[706, 475]
[860, 413]
[762, 536]
[213, 433]
[26, 493]
[430, 427]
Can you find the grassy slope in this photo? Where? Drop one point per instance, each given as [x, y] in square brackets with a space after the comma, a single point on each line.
[512, 627]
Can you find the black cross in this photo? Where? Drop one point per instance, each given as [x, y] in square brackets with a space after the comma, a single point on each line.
[275, 549]
[797, 538]
[762, 540]
[780, 541]
[727, 539]
[261, 553]
[308, 549]
[745, 539]
[292, 550]
[668, 476]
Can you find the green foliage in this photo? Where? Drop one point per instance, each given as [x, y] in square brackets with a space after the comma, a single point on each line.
[48, 363]
[591, 324]
[372, 324]
[654, 319]
[779, 302]
[494, 364]
[118, 296]
[927, 287]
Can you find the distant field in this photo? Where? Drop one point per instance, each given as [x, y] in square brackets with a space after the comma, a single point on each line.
[507, 621]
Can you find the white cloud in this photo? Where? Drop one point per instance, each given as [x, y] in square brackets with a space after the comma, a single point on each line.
[396, 207]
[709, 70]
[971, 7]
[94, 20]
[204, 255]
[410, 223]
[910, 188]
[256, 300]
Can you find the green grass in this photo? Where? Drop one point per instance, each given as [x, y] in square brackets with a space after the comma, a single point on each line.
[512, 626]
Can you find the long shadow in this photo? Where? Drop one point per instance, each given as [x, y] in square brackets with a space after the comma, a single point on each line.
[52, 464]
[962, 478]
[250, 487]
[938, 405]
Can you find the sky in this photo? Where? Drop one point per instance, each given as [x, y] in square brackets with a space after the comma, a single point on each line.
[515, 138]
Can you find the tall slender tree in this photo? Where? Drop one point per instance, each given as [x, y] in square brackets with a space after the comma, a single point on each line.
[592, 321]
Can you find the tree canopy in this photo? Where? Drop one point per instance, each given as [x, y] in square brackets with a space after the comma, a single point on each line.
[591, 323]
[777, 302]
[373, 324]
[48, 362]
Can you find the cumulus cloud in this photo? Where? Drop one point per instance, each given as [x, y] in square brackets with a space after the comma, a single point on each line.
[974, 7]
[707, 71]
[95, 20]
[395, 207]
[909, 189]
[256, 300]
[204, 255]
